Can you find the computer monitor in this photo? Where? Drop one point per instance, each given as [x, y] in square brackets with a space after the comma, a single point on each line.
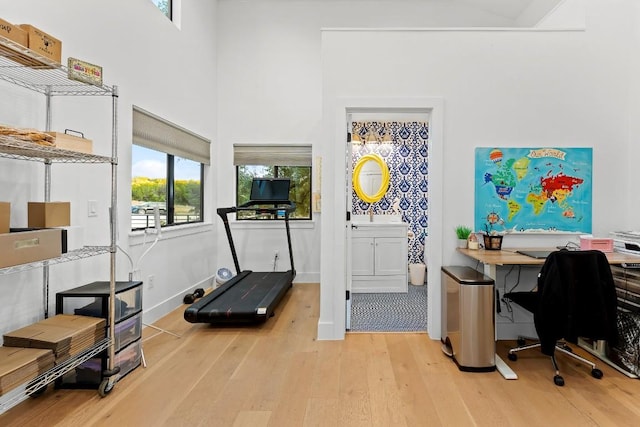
[270, 190]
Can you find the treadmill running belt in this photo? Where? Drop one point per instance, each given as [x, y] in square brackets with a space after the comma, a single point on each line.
[249, 297]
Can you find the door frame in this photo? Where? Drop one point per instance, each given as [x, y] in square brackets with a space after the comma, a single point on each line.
[333, 269]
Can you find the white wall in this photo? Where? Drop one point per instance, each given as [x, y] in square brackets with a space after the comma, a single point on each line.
[632, 218]
[167, 70]
[270, 74]
[500, 88]
[269, 82]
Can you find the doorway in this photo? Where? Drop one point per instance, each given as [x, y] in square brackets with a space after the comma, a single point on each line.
[336, 233]
[401, 143]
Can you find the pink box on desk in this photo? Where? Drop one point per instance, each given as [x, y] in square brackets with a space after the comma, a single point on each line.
[600, 244]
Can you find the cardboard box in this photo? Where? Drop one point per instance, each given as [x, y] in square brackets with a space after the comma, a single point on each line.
[84, 72]
[5, 217]
[19, 365]
[72, 142]
[29, 246]
[63, 235]
[13, 33]
[42, 43]
[65, 334]
[48, 214]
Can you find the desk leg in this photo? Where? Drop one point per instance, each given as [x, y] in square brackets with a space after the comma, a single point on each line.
[490, 270]
[504, 369]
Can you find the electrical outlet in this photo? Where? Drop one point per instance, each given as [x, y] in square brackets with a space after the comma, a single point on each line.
[150, 281]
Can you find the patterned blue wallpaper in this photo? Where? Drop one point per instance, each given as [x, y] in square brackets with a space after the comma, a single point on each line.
[403, 146]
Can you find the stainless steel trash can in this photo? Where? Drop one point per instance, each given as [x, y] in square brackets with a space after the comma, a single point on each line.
[468, 318]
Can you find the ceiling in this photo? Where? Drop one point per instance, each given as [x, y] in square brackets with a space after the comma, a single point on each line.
[511, 9]
[510, 13]
[520, 13]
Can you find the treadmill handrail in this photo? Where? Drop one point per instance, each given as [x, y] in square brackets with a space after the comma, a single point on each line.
[289, 207]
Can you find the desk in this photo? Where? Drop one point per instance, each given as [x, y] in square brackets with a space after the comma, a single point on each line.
[508, 256]
[491, 259]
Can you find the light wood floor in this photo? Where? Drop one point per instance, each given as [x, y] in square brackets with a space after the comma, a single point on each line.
[277, 374]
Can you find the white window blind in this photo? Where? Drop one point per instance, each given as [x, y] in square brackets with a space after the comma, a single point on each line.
[151, 131]
[272, 154]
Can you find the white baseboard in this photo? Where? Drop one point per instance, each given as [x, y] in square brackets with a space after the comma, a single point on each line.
[307, 278]
[165, 307]
[325, 331]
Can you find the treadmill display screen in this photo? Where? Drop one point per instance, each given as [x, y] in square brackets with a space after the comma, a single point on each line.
[270, 190]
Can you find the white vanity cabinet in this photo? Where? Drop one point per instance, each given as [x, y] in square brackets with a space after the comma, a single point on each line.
[379, 257]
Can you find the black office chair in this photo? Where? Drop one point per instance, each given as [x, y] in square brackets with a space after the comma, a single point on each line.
[575, 297]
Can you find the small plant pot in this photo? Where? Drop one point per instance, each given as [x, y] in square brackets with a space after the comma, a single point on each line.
[462, 243]
[492, 243]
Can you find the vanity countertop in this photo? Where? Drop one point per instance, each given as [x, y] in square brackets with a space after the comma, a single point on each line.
[377, 220]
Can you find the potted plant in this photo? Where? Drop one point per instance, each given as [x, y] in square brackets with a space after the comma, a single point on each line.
[463, 232]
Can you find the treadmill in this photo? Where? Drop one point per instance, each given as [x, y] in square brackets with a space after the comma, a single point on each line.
[250, 297]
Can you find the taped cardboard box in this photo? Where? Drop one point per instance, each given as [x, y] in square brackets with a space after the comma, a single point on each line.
[13, 33]
[63, 235]
[23, 247]
[42, 43]
[48, 214]
[67, 141]
[5, 217]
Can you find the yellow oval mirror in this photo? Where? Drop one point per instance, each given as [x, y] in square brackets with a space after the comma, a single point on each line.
[370, 178]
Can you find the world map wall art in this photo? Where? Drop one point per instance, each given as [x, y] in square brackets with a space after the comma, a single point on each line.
[533, 190]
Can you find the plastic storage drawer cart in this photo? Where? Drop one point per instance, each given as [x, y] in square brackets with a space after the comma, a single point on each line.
[468, 318]
[93, 300]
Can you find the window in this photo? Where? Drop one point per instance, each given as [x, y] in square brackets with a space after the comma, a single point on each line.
[274, 161]
[167, 172]
[164, 6]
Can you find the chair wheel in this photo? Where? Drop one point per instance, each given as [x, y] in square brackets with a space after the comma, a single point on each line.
[558, 380]
[512, 356]
[521, 341]
[596, 373]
